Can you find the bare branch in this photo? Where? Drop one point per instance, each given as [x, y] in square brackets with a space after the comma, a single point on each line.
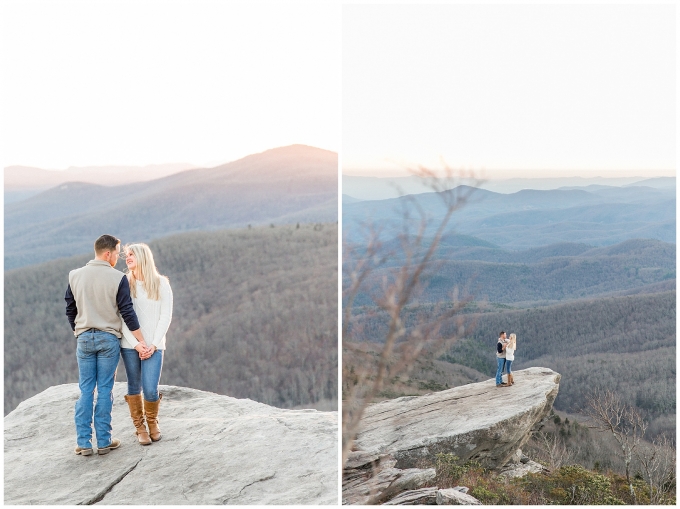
[398, 286]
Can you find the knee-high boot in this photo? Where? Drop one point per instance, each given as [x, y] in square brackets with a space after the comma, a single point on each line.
[137, 413]
[151, 411]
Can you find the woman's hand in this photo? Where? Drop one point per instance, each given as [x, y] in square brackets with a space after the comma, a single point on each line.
[144, 351]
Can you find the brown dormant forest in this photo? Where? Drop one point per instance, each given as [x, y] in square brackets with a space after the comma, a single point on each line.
[255, 316]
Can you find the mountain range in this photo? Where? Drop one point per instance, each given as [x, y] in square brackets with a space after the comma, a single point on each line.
[598, 216]
[290, 184]
[22, 182]
[376, 188]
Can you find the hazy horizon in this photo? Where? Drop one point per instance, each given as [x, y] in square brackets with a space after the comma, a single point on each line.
[519, 174]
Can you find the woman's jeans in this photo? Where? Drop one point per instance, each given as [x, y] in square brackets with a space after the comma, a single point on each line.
[499, 371]
[508, 366]
[143, 374]
[97, 353]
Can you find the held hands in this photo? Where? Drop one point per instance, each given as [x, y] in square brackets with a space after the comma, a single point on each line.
[144, 351]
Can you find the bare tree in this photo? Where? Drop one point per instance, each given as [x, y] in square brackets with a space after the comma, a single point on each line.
[657, 461]
[625, 422]
[553, 452]
[397, 288]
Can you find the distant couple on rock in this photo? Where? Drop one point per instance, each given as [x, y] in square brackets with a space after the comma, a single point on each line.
[113, 314]
[505, 354]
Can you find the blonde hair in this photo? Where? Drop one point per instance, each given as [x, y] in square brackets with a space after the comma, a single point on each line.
[147, 267]
[513, 341]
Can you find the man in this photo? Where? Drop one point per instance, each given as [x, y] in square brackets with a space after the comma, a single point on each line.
[97, 297]
[500, 357]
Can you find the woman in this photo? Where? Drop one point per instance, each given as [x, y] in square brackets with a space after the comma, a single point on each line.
[510, 356]
[152, 300]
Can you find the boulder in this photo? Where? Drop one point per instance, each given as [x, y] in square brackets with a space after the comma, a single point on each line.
[454, 497]
[215, 450]
[522, 469]
[476, 421]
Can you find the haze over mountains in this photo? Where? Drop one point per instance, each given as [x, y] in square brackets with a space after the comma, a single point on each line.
[595, 215]
[21, 182]
[375, 188]
[284, 185]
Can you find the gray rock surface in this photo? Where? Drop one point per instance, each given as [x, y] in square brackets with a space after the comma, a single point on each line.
[379, 481]
[452, 496]
[215, 450]
[425, 496]
[475, 421]
[522, 469]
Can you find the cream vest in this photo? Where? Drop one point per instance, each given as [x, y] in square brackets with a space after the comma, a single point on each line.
[95, 287]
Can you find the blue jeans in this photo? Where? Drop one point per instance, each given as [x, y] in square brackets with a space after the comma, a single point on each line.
[143, 374]
[98, 353]
[499, 371]
[508, 366]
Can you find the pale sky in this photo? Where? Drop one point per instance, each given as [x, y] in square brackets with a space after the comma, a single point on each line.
[511, 90]
[147, 82]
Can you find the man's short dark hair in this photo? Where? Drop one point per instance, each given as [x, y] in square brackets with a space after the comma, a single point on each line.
[106, 243]
[501, 333]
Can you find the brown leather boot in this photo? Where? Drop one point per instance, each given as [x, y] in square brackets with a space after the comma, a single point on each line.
[137, 413]
[511, 380]
[151, 411]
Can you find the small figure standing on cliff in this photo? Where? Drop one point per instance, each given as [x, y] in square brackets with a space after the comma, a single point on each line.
[510, 356]
[97, 297]
[152, 301]
[501, 358]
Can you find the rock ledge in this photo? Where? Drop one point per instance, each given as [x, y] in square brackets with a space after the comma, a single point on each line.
[215, 450]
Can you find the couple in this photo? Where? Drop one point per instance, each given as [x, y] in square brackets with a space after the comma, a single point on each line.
[505, 354]
[114, 314]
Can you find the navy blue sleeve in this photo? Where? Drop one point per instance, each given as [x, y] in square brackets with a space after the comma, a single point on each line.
[71, 308]
[125, 305]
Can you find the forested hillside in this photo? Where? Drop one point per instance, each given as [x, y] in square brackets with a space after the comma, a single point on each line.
[283, 185]
[626, 344]
[539, 275]
[255, 316]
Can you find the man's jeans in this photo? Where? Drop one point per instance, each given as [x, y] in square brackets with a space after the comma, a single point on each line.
[98, 353]
[143, 374]
[499, 371]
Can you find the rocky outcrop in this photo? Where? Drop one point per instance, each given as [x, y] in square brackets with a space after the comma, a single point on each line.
[477, 421]
[454, 497]
[522, 469]
[378, 481]
[424, 496]
[215, 450]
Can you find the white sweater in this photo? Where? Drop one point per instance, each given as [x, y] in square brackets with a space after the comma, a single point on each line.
[509, 353]
[154, 317]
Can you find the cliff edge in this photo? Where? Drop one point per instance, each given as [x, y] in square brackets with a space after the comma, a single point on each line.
[215, 450]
